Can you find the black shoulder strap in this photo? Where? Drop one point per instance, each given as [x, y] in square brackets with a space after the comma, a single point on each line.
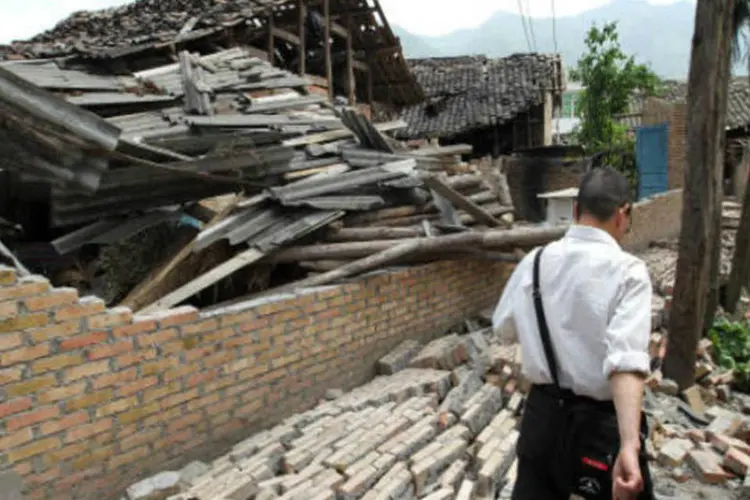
[542, 321]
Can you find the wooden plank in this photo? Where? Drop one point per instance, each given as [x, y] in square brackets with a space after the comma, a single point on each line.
[460, 200]
[360, 66]
[339, 30]
[301, 26]
[205, 280]
[327, 45]
[334, 135]
[149, 288]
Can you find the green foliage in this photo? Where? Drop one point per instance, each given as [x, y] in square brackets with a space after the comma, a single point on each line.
[610, 79]
[731, 344]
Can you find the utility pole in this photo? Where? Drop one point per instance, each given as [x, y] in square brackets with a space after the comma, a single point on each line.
[697, 263]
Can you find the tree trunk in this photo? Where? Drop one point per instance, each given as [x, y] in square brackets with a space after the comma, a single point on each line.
[707, 92]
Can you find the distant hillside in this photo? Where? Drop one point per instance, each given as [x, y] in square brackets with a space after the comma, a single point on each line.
[659, 35]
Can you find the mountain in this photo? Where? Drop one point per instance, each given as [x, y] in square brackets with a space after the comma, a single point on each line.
[659, 35]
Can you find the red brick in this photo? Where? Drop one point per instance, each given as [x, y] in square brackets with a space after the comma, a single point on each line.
[9, 375]
[80, 341]
[86, 370]
[112, 318]
[173, 317]
[24, 322]
[15, 406]
[136, 357]
[137, 386]
[30, 386]
[88, 430]
[157, 338]
[117, 378]
[8, 275]
[32, 418]
[66, 422]
[56, 298]
[24, 354]
[201, 327]
[138, 327]
[55, 331]
[9, 341]
[15, 439]
[117, 406]
[84, 307]
[24, 288]
[54, 363]
[109, 350]
[8, 308]
[707, 467]
[737, 462]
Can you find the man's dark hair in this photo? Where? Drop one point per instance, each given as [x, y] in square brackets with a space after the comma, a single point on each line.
[602, 192]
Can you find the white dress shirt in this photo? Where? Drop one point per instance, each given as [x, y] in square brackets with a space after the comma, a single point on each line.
[597, 300]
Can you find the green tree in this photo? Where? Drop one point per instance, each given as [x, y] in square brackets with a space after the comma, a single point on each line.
[610, 79]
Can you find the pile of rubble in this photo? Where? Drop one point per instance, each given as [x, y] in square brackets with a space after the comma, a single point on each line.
[441, 422]
[224, 161]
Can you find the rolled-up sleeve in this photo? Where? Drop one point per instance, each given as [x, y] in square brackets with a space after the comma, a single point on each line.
[629, 329]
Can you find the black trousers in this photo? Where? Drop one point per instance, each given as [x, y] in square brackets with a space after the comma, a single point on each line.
[567, 446]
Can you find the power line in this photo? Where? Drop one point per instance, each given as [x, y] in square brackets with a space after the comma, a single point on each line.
[523, 23]
[530, 20]
[554, 26]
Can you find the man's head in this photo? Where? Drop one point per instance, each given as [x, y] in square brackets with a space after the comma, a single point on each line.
[604, 201]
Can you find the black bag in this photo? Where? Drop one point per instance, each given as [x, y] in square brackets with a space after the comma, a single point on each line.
[590, 445]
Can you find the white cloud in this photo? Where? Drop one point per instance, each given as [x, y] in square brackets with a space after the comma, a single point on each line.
[21, 19]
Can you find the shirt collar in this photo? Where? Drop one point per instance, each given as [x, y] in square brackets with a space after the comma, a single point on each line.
[588, 233]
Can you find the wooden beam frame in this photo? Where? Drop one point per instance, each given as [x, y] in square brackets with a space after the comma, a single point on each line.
[351, 84]
[286, 36]
[327, 43]
[271, 42]
[301, 32]
[339, 30]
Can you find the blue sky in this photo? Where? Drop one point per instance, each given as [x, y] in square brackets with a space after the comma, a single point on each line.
[20, 19]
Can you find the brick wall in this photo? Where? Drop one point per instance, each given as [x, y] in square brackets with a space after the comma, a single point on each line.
[674, 114]
[656, 218]
[91, 399]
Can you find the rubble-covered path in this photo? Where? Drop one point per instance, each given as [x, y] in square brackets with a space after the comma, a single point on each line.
[439, 423]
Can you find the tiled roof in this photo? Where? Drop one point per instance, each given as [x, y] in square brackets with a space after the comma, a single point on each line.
[132, 30]
[738, 106]
[469, 92]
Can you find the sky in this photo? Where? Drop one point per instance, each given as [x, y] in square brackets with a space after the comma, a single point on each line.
[21, 19]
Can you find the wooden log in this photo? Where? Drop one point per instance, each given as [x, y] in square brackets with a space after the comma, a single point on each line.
[387, 256]
[463, 218]
[322, 266]
[493, 239]
[373, 233]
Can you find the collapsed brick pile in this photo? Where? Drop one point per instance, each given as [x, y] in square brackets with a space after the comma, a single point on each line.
[440, 423]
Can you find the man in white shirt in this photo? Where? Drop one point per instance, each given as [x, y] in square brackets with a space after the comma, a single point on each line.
[582, 429]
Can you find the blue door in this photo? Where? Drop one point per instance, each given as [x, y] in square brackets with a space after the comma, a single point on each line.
[651, 158]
